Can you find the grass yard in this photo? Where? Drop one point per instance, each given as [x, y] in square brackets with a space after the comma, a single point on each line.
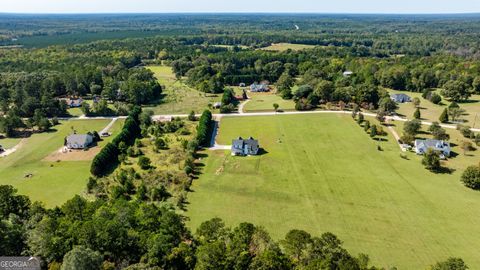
[9, 142]
[52, 182]
[323, 173]
[179, 98]
[431, 112]
[280, 47]
[264, 102]
[459, 160]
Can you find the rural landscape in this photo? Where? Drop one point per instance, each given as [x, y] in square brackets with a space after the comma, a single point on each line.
[240, 141]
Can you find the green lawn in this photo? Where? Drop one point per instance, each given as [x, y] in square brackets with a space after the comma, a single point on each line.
[265, 101]
[323, 173]
[431, 112]
[280, 47]
[179, 98]
[9, 142]
[53, 182]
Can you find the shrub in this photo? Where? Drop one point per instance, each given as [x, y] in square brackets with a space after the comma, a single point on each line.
[373, 131]
[450, 264]
[361, 118]
[366, 126]
[471, 177]
[431, 161]
[192, 117]
[435, 98]
[144, 163]
[466, 131]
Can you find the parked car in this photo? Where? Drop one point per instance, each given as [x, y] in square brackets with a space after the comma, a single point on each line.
[105, 134]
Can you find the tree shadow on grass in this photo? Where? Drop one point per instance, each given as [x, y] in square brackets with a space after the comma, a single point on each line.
[444, 170]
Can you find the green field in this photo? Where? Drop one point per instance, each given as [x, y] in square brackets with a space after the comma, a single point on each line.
[280, 47]
[264, 102]
[323, 173]
[52, 182]
[179, 98]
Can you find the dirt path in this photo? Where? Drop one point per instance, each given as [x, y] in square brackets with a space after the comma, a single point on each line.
[394, 133]
[12, 150]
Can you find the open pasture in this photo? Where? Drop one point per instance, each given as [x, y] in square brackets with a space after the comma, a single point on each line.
[323, 173]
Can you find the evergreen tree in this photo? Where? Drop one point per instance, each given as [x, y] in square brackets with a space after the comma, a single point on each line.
[444, 116]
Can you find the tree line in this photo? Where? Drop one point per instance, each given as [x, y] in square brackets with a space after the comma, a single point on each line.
[113, 234]
[108, 156]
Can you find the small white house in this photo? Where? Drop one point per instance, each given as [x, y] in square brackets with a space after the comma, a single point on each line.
[79, 141]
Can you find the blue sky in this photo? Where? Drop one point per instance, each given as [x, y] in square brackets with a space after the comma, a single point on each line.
[320, 6]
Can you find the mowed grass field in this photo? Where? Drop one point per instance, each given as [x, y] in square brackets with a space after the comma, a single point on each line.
[52, 183]
[323, 173]
[178, 97]
[280, 47]
[263, 102]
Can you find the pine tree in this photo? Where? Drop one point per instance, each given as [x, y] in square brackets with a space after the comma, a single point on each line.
[417, 114]
[444, 116]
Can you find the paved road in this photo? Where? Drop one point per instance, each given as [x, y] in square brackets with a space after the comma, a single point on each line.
[247, 114]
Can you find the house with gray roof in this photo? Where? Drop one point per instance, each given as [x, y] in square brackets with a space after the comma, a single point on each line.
[400, 98]
[79, 141]
[261, 87]
[443, 147]
[74, 102]
[245, 147]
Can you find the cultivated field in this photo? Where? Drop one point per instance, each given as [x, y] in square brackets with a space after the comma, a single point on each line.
[51, 182]
[323, 173]
[179, 98]
[280, 47]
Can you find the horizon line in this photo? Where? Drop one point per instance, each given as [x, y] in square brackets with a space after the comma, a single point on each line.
[239, 13]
